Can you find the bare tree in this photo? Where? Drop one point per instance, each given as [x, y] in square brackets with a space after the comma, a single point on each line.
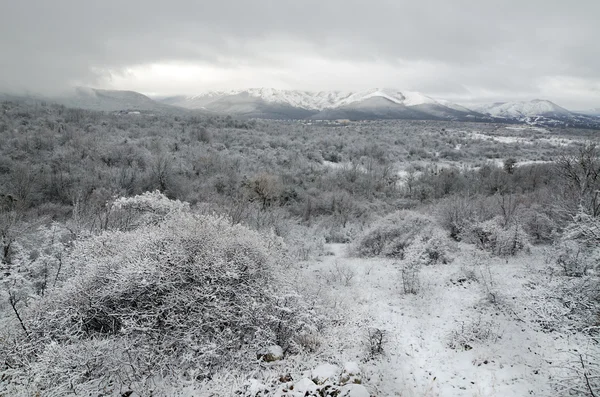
[581, 174]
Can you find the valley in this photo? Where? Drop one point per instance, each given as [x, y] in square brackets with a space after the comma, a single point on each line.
[162, 254]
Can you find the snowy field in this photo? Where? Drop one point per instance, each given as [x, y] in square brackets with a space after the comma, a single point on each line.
[475, 327]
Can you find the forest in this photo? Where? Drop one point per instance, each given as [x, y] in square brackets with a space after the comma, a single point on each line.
[192, 255]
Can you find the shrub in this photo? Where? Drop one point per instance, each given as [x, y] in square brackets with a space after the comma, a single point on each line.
[375, 343]
[474, 332]
[436, 247]
[303, 242]
[455, 215]
[498, 240]
[581, 376]
[393, 234]
[577, 253]
[183, 297]
[539, 225]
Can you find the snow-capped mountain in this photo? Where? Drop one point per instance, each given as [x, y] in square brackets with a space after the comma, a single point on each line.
[368, 104]
[305, 99]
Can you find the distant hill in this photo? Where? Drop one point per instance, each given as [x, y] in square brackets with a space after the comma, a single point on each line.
[112, 100]
[101, 100]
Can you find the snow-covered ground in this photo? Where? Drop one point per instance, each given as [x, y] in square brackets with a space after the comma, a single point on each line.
[469, 331]
[527, 128]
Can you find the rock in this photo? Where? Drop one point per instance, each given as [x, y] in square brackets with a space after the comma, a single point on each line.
[350, 374]
[286, 378]
[305, 386]
[353, 390]
[324, 373]
[271, 353]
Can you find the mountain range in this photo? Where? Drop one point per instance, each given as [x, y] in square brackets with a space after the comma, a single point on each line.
[376, 104]
[373, 104]
[326, 105]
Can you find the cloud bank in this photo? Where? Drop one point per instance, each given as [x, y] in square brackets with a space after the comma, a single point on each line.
[462, 50]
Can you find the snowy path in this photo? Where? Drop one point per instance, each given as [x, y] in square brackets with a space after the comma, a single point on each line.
[507, 357]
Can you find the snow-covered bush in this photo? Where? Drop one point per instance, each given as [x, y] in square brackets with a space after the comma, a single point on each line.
[375, 343]
[581, 376]
[538, 225]
[340, 274]
[456, 214]
[498, 240]
[303, 242]
[574, 260]
[411, 282]
[393, 234]
[436, 246]
[146, 208]
[472, 333]
[578, 252]
[425, 250]
[338, 234]
[178, 298]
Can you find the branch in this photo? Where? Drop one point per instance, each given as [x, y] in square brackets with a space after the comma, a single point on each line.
[13, 303]
[587, 380]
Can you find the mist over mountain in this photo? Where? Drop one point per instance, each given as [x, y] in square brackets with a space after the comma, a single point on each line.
[111, 100]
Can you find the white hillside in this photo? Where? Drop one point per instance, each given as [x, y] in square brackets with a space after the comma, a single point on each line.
[536, 107]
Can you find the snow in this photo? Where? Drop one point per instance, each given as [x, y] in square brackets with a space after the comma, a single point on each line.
[271, 353]
[304, 386]
[449, 340]
[527, 128]
[518, 359]
[353, 390]
[406, 98]
[254, 387]
[324, 373]
[553, 141]
[351, 368]
[500, 138]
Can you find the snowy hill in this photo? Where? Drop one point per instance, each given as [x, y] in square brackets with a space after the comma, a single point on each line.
[538, 112]
[516, 110]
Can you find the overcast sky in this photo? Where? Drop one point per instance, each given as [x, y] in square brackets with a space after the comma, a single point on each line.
[463, 50]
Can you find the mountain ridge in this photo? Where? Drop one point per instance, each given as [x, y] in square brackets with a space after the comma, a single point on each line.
[375, 103]
[371, 104]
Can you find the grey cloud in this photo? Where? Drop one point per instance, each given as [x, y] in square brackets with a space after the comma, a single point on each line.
[497, 46]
